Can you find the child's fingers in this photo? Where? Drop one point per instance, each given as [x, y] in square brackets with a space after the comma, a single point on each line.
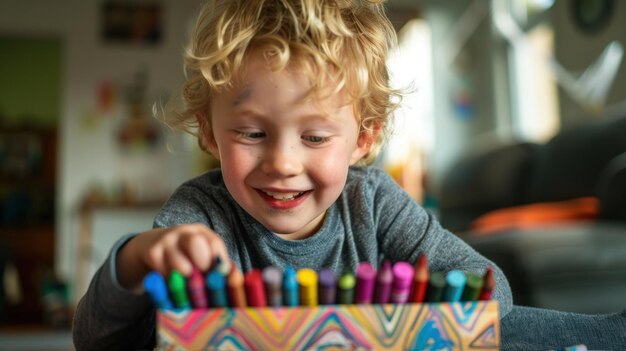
[197, 248]
[202, 246]
[155, 260]
[176, 260]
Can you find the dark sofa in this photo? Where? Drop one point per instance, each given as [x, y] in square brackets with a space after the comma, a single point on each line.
[573, 265]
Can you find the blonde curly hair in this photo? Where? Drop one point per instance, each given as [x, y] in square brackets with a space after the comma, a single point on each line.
[343, 41]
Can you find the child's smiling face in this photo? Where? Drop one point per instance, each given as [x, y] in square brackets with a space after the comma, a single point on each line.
[284, 159]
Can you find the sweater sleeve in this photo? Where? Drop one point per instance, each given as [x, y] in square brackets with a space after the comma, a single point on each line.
[110, 317]
[406, 230]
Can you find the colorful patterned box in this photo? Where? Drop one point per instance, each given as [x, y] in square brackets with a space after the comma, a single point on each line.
[439, 326]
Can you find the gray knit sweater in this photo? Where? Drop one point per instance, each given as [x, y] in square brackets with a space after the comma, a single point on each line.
[373, 216]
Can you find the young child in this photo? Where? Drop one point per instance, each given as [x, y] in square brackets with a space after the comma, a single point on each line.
[293, 98]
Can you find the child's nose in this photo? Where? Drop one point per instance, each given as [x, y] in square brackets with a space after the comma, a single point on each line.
[282, 161]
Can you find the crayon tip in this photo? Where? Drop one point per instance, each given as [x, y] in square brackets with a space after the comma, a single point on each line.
[215, 280]
[177, 280]
[489, 280]
[421, 269]
[289, 277]
[155, 286]
[489, 284]
[222, 266]
[422, 262]
[346, 280]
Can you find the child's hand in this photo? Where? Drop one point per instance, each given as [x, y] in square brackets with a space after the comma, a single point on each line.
[165, 249]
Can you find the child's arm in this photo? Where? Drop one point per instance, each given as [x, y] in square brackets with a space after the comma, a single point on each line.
[114, 314]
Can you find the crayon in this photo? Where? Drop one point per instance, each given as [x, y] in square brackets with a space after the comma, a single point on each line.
[420, 280]
[455, 283]
[473, 286]
[489, 284]
[273, 281]
[384, 279]
[197, 289]
[436, 284]
[178, 290]
[221, 266]
[290, 287]
[235, 288]
[307, 281]
[255, 293]
[155, 286]
[216, 284]
[402, 279]
[345, 288]
[327, 283]
[364, 289]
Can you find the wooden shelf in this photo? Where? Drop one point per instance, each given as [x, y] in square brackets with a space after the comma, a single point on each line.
[27, 199]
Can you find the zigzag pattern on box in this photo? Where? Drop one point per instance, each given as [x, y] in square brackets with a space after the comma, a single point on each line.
[450, 326]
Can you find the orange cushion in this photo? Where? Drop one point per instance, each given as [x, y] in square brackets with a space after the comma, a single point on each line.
[537, 214]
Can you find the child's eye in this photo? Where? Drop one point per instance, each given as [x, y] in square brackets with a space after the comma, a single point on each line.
[252, 135]
[315, 139]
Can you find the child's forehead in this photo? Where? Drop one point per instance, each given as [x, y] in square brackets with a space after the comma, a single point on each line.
[261, 67]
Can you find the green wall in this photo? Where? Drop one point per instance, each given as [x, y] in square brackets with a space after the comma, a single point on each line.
[30, 80]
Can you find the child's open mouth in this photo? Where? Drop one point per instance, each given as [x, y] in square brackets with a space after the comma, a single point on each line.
[284, 200]
[284, 196]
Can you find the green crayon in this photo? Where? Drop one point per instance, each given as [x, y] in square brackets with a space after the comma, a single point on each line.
[436, 284]
[345, 288]
[473, 286]
[178, 289]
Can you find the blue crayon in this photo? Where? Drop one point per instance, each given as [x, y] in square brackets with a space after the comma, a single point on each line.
[455, 283]
[291, 292]
[216, 284]
[155, 286]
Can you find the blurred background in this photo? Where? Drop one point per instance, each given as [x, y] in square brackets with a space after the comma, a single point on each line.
[511, 134]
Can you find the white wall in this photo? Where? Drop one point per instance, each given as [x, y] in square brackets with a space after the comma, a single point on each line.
[89, 154]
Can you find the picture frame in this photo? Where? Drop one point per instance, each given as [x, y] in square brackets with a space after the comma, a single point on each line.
[132, 23]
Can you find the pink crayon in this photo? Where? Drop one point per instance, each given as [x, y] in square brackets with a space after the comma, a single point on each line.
[365, 279]
[402, 279]
[197, 289]
[384, 279]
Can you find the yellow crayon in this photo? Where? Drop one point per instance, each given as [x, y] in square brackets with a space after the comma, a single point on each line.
[307, 281]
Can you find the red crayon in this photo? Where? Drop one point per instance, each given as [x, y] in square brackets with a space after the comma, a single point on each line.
[255, 292]
[420, 280]
[197, 289]
[489, 284]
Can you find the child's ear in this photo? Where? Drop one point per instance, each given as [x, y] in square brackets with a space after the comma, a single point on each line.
[364, 144]
[205, 136]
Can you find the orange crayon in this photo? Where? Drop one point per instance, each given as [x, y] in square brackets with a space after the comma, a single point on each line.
[235, 288]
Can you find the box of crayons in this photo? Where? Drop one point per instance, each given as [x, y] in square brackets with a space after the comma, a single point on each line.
[398, 307]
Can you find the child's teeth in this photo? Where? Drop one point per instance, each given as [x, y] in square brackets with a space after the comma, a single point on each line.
[282, 196]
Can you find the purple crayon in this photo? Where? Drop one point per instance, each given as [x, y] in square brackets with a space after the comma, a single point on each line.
[402, 280]
[197, 289]
[384, 279]
[365, 277]
[327, 286]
